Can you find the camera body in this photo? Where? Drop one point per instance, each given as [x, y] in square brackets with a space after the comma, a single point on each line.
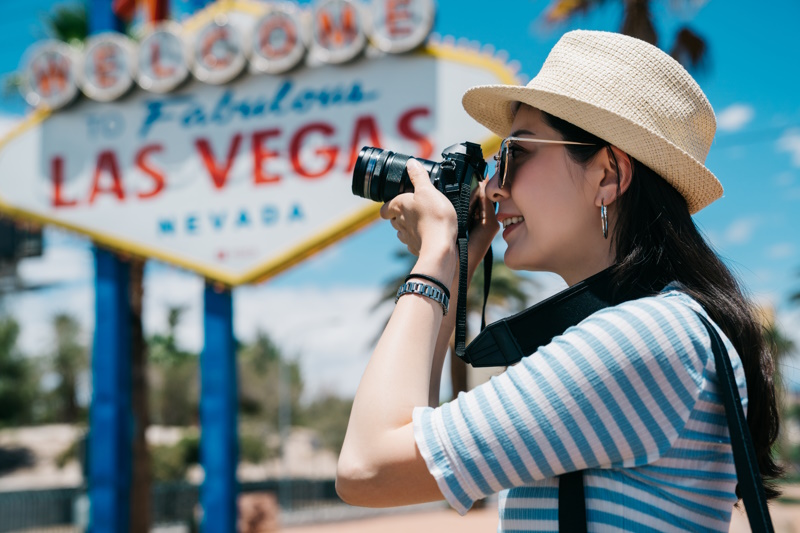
[380, 175]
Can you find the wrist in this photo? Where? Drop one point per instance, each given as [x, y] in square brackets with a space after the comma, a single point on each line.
[440, 262]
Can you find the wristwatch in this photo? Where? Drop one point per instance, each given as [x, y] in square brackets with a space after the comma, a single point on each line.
[423, 289]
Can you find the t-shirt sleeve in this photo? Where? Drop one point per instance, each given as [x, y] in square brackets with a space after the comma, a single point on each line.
[614, 391]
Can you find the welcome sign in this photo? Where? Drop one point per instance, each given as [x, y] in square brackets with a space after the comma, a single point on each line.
[237, 181]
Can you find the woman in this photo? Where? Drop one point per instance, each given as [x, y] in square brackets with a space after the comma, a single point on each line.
[601, 167]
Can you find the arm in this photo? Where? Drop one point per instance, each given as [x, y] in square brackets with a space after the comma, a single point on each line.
[405, 369]
[483, 228]
[379, 449]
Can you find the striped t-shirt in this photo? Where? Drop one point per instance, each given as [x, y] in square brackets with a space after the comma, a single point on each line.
[629, 395]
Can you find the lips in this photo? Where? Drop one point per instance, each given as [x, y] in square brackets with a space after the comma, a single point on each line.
[510, 224]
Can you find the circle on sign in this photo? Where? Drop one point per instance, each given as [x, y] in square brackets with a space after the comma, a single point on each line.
[337, 31]
[401, 25]
[218, 53]
[278, 41]
[109, 67]
[49, 75]
[162, 60]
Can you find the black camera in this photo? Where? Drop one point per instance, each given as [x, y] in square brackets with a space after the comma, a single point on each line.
[380, 175]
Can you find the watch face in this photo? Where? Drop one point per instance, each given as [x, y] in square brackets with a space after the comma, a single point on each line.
[337, 31]
[401, 26]
[109, 67]
[162, 59]
[218, 53]
[278, 41]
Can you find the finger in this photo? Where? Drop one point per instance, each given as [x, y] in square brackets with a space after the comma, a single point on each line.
[488, 205]
[419, 176]
[391, 209]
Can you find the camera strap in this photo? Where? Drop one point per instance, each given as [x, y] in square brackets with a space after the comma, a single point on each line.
[462, 212]
[508, 340]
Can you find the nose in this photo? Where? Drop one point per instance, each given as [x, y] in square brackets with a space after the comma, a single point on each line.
[493, 191]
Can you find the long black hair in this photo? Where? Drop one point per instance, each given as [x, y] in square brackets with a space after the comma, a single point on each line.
[657, 242]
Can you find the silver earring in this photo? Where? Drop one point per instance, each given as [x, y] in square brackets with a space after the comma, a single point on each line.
[604, 219]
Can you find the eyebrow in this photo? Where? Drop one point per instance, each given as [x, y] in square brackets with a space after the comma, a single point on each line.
[517, 133]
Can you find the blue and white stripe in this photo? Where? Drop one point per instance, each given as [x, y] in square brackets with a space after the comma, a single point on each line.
[629, 395]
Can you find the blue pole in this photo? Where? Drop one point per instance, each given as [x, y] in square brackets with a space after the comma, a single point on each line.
[102, 17]
[219, 445]
[197, 5]
[111, 417]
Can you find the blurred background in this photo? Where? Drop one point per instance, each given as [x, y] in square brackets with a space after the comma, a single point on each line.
[303, 337]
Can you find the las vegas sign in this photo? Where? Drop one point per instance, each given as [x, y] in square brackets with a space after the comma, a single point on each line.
[226, 145]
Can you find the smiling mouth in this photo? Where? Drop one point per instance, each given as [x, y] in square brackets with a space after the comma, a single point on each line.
[511, 221]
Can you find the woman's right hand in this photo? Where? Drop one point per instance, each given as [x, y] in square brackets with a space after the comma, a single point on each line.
[483, 228]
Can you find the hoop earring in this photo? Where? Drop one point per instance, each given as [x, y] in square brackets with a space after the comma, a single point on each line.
[604, 219]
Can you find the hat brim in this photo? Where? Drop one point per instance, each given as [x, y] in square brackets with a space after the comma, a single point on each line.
[491, 105]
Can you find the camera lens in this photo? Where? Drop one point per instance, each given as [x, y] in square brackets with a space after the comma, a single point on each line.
[380, 175]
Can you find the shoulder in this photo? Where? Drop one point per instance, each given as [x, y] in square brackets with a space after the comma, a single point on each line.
[664, 328]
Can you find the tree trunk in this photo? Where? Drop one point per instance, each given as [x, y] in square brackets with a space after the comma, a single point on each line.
[142, 474]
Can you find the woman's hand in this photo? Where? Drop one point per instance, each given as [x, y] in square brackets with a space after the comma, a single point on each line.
[425, 220]
[483, 227]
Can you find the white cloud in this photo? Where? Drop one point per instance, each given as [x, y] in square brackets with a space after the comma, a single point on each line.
[58, 264]
[741, 230]
[781, 250]
[784, 179]
[735, 117]
[790, 142]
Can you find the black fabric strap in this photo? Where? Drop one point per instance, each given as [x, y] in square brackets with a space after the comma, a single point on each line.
[462, 212]
[488, 259]
[571, 498]
[506, 341]
[570, 492]
[750, 484]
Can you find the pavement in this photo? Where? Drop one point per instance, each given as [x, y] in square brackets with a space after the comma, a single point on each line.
[441, 520]
[785, 518]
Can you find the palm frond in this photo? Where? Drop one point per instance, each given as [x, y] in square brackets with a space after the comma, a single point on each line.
[690, 49]
[638, 21]
[68, 23]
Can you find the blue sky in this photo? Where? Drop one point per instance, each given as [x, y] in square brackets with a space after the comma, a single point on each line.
[751, 81]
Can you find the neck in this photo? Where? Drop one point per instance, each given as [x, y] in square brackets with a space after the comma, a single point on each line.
[586, 268]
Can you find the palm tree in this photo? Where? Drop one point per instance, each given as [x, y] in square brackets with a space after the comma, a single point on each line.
[689, 48]
[509, 292]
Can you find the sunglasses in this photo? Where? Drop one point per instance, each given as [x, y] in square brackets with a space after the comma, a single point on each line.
[501, 158]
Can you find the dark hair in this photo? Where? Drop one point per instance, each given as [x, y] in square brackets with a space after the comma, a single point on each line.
[657, 242]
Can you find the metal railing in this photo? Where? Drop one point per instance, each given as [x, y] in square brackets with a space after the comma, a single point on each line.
[172, 502]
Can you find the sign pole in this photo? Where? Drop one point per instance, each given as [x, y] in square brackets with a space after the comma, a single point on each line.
[111, 417]
[219, 445]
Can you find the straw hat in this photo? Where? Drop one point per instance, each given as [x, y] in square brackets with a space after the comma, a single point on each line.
[626, 92]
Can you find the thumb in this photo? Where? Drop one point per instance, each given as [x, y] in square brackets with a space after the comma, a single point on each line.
[418, 175]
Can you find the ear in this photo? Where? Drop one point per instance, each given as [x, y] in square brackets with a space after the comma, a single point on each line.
[617, 172]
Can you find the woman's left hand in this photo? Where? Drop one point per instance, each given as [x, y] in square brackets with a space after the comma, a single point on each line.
[425, 220]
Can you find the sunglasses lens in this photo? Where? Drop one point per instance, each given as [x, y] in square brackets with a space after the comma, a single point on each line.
[501, 171]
